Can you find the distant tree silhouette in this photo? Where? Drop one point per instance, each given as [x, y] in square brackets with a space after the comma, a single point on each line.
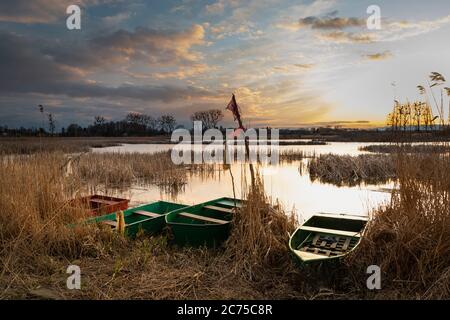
[209, 118]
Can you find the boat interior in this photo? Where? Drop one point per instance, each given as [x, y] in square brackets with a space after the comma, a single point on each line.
[328, 245]
[327, 235]
[218, 213]
[134, 216]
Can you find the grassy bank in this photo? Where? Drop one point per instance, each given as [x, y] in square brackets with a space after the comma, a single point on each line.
[31, 145]
[409, 239]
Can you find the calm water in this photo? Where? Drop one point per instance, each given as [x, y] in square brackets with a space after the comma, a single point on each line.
[283, 182]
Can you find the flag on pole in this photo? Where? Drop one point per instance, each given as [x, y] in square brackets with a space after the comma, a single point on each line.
[233, 107]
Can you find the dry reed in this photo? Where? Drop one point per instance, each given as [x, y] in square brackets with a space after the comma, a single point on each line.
[125, 169]
[352, 170]
[410, 238]
[292, 155]
[259, 238]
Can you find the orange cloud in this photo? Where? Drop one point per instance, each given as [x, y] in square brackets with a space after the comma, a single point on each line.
[378, 56]
[346, 37]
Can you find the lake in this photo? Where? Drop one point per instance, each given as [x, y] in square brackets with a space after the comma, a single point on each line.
[284, 182]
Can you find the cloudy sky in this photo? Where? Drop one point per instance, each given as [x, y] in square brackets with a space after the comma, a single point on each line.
[290, 63]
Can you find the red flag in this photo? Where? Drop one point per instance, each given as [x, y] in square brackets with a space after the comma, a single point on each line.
[233, 107]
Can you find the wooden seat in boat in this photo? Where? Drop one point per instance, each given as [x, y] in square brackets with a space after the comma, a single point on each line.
[201, 218]
[146, 213]
[221, 209]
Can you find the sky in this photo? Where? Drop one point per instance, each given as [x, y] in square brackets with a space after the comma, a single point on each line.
[290, 63]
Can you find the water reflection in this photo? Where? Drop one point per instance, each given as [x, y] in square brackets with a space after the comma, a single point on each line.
[285, 182]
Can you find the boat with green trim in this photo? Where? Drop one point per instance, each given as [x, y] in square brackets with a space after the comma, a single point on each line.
[206, 223]
[149, 218]
[326, 237]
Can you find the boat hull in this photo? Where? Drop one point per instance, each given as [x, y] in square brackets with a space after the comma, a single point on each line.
[98, 205]
[190, 232]
[135, 223]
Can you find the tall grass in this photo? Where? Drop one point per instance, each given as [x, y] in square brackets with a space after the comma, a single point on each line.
[410, 238]
[34, 217]
[259, 238]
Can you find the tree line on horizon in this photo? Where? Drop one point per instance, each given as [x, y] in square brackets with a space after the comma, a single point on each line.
[134, 124]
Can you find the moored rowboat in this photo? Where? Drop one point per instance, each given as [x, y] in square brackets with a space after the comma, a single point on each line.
[206, 223]
[326, 237]
[98, 204]
[149, 218]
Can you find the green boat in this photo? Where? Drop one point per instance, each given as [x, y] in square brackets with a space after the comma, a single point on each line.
[326, 237]
[150, 218]
[206, 223]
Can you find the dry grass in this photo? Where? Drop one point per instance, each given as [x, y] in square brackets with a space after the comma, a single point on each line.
[33, 220]
[37, 246]
[124, 169]
[409, 240]
[31, 145]
[352, 170]
[259, 239]
[292, 155]
[406, 148]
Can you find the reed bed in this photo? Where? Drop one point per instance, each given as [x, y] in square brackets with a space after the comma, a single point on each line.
[259, 238]
[292, 155]
[34, 218]
[410, 237]
[125, 169]
[406, 148]
[352, 170]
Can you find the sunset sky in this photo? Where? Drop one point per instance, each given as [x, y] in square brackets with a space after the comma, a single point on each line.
[290, 63]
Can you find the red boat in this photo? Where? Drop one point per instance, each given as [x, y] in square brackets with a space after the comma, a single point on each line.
[99, 205]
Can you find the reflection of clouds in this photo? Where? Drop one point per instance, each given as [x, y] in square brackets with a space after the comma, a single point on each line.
[283, 182]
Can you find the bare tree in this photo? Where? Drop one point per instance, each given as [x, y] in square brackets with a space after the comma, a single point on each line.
[167, 123]
[99, 121]
[51, 124]
[209, 118]
[417, 109]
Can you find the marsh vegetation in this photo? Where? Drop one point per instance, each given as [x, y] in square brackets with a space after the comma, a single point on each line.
[408, 238]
